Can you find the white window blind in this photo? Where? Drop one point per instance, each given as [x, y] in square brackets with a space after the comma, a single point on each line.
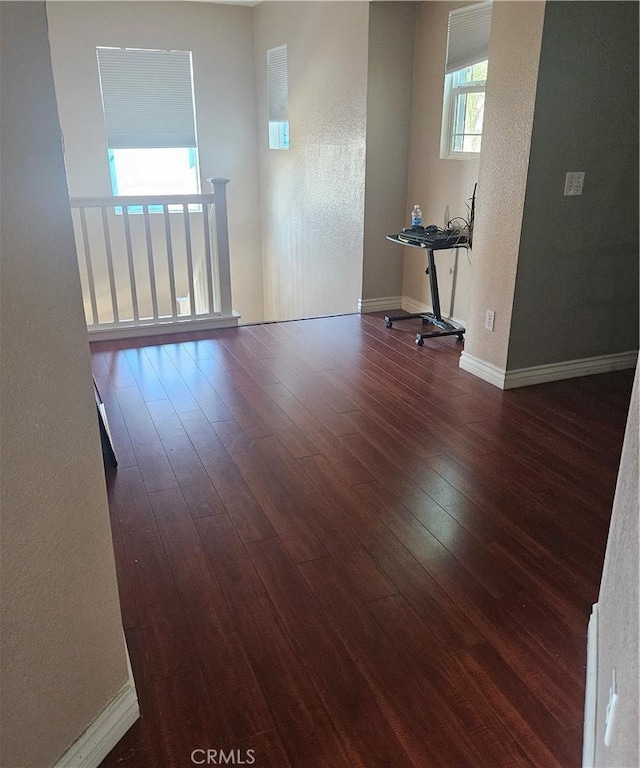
[277, 83]
[468, 36]
[147, 97]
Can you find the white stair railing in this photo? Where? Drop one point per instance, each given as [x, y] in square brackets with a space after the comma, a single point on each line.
[154, 261]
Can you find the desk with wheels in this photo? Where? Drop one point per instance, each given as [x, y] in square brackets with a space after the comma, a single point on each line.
[435, 318]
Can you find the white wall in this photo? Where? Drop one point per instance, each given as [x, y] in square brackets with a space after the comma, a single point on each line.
[221, 39]
[63, 653]
[618, 646]
[313, 194]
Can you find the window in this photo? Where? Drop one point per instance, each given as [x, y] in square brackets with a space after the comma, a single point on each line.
[465, 81]
[151, 171]
[278, 97]
[466, 108]
[149, 115]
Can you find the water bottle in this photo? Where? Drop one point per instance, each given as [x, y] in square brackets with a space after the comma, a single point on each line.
[416, 216]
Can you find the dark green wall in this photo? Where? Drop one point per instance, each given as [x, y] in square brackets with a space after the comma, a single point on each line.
[576, 289]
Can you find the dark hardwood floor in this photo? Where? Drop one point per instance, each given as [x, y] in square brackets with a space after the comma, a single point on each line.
[337, 549]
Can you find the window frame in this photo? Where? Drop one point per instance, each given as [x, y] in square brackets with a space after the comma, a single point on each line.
[451, 92]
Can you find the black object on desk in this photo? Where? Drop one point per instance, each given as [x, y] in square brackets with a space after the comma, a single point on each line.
[437, 242]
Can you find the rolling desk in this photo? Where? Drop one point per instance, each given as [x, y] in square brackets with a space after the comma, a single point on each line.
[435, 317]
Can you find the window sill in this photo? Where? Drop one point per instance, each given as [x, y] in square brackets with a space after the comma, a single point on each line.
[461, 156]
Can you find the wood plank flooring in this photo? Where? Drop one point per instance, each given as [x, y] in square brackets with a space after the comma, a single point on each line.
[337, 549]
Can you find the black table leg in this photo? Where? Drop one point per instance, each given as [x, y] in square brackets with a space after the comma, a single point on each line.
[433, 282]
[435, 317]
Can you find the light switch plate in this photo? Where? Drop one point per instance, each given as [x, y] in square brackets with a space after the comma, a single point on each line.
[573, 183]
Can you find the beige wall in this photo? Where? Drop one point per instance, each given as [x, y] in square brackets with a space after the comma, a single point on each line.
[440, 187]
[221, 39]
[514, 53]
[63, 654]
[389, 85]
[312, 196]
[618, 646]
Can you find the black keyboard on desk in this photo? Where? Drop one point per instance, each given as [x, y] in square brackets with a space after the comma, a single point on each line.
[432, 237]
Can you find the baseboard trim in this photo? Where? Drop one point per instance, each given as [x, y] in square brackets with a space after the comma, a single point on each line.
[569, 369]
[541, 374]
[590, 694]
[105, 731]
[380, 304]
[483, 370]
[112, 333]
[413, 307]
[406, 303]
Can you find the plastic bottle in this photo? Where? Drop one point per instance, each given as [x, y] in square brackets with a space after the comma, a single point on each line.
[416, 216]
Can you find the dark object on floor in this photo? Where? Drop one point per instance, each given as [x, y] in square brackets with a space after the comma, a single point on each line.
[108, 454]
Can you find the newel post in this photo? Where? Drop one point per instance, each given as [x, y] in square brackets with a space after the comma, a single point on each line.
[219, 187]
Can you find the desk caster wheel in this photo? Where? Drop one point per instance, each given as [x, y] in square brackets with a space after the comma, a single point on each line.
[420, 342]
[388, 323]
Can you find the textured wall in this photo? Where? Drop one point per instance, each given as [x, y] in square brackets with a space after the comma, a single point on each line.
[312, 196]
[441, 187]
[221, 39]
[618, 609]
[389, 86]
[514, 51]
[577, 282]
[63, 655]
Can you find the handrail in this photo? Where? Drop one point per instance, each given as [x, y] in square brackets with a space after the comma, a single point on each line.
[129, 200]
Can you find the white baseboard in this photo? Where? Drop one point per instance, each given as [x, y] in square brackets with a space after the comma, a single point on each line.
[590, 694]
[569, 369]
[406, 303]
[111, 332]
[379, 305]
[540, 374]
[483, 370]
[413, 306]
[105, 731]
